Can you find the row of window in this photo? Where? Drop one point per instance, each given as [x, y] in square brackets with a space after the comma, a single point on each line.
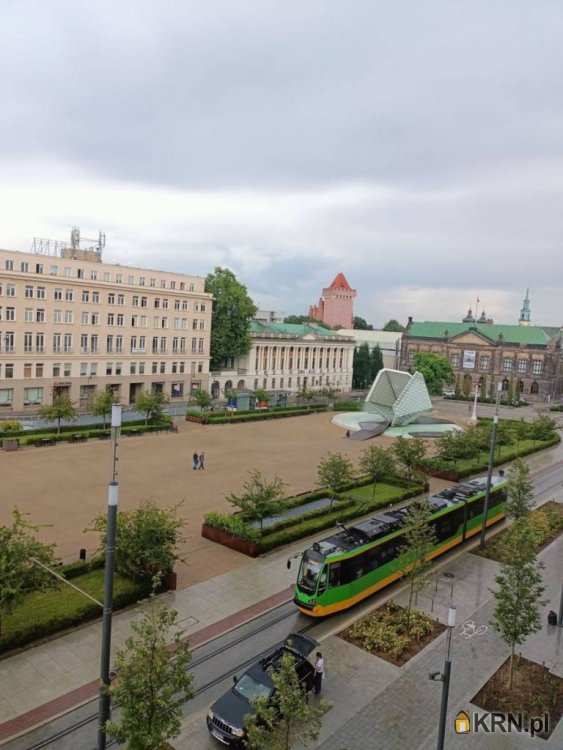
[91, 369]
[94, 275]
[35, 342]
[484, 361]
[276, 357]
[86, 296]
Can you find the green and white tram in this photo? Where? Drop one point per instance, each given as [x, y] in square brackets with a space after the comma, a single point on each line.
[357, 561]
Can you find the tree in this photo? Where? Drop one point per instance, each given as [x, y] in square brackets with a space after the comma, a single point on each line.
[360, 324]
[394, 326]
[410, 453]
[376, 363]
[288, 719]
[435, 369]
[260, 497]
[61, 408]
[335, 472]
[153, 682]
[542, 428]
[232, 312]
[261, 395]
[519, 489]
[101, 406]
[420, 539]
[304, 319]
[519, 591]
[19, 575]
[361, 367]
[151, 404]
[377, 462]
[147, 540]
[202, 398]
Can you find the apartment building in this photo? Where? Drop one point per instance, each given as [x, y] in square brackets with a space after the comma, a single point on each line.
[72, 324]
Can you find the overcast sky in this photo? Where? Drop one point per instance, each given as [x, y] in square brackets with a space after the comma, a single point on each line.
[416, 146]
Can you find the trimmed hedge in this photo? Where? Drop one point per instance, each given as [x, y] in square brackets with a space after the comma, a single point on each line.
[255, 416]
[77, 428]
[491, 401]
[291, 529]
[35, 439]
[43, 613]
[465, 467]
[347, 406]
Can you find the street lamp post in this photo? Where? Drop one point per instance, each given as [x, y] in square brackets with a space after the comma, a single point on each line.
[444, 678]
[104, 711]
[490, 469]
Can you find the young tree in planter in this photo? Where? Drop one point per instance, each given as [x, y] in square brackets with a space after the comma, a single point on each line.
[261, 396]
[147, 540]
[520, 490]
[377, 462]
[151, 404]
[260, 497]
[153, 681]
[519, 591]
[289, 719]
[19, 575]
[335, 472]
[61, 408]
[410, 453]
[202, 398]
[419, 540]
[101, 406]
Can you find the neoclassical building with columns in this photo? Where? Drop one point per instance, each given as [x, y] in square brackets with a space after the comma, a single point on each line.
[289, 357]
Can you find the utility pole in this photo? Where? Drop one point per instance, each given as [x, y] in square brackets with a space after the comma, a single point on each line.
[490, 469]
[444, 678]
[104, 711]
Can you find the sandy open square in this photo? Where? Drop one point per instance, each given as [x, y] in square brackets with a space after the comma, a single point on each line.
[65, 485]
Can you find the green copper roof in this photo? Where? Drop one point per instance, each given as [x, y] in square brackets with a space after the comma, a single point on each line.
[291, 329]
[510, 333]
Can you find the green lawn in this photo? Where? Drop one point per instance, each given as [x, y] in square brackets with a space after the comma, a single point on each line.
[43, 613]
[384, 494]
[502, 453]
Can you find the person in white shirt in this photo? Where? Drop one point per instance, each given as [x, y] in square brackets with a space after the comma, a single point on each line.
[319, 673]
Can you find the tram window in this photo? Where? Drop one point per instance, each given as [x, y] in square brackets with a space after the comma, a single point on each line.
[389, 550]
[476, 508]
[334, 575]
[323, 581]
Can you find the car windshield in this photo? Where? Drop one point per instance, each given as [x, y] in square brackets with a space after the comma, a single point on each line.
[250, 689]
[311, 566]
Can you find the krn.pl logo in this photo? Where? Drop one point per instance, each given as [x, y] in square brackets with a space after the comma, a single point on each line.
[462, 723]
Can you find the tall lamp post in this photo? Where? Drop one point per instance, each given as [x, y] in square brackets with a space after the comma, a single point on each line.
[490, 469]
[104, 710]
[444, 678]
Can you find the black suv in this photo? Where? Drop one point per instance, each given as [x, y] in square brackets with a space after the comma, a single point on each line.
[225, 719]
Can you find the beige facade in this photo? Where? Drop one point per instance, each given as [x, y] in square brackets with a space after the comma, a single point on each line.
[75, 325]
[289, 357]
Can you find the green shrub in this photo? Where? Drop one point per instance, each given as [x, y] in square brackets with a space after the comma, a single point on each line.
[389, 630]
[10, 426]
[80, 567]
[44, 613]
[347, 406]
[232, 524]
[42, 431]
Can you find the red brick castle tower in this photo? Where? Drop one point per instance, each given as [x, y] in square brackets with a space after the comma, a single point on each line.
[336, 306]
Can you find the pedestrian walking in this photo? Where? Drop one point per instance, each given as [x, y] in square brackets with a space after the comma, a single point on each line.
[195, 461]
[319, 673]
[202, 461]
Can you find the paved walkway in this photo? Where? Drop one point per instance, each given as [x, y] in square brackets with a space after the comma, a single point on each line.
[402, 710]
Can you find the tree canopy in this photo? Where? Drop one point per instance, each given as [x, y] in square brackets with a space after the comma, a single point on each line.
[420, 538]
[102, 403]
[361, 324]
[335, 472]
[233, 310]
[519, 490]
[435, 369]
[289, 719]
[151, 404]
[300, 319]
[394, 326]
[410, 453]
[61, 408]
[154, 681]
[260, 497]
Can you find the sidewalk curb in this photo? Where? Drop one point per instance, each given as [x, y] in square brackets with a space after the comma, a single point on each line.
[17, 727]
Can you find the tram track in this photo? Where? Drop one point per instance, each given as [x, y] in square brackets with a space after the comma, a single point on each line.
[219, 651]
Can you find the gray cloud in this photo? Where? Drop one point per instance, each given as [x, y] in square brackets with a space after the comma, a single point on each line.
[434, 128]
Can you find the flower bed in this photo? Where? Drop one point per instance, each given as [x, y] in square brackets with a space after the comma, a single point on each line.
[547, 522]
[392, 634]
[356, 500]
